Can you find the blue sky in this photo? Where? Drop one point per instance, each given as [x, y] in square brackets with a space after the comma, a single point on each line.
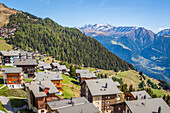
[151, 14]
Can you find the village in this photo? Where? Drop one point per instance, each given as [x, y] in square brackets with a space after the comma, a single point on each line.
[44, 84]
[6, 32]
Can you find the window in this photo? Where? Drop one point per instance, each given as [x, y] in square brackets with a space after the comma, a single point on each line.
[108, 107]
[16, 81]
[97, 98]
[13, 77]
[108, 102]
[108, 97]
[13, 81]
[97, 102]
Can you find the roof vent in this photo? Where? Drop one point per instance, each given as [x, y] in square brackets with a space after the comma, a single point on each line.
[144, 97]
[97, 82]
[100, 89]
[143, 103]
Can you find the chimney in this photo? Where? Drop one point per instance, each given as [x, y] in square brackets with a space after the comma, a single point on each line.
[159, 109]
[106, 85]
[136, 97]
[144, 97]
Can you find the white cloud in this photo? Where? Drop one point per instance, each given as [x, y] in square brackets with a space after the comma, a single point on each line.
[160, 29]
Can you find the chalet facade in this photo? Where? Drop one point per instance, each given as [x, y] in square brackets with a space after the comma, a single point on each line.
[101, 92]
[8, 57]
[73, 105]
[83, 75]
[54, 77]
[39, 93]
[29, 66]
[13, 77]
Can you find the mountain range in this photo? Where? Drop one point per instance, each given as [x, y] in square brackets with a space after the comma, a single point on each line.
[147, 51]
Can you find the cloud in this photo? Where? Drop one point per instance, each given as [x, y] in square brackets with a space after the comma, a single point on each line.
[160, 29]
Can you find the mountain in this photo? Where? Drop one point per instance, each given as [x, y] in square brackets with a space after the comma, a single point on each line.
[5, 12]
[149, 52]
[63, 43]
[165, 32]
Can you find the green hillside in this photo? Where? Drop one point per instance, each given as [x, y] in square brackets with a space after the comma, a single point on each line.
[63, 43]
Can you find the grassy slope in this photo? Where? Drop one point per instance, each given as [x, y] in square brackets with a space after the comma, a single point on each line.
[133, 77]
[70, 87]
[4, 46]
[2, 108]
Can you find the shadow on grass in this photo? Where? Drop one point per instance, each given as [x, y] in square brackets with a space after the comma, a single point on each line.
[75, 82]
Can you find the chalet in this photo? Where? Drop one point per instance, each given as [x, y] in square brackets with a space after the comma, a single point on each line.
[73, 105]
[138, 95]
[101, 92]
[62, 68]
[54, 77]
[13, 77]
[44, 66]
[26, 55]
[29, 66]
[9, 56]
[55, 65]
[153, 105]
[84, 75]
[39, 93]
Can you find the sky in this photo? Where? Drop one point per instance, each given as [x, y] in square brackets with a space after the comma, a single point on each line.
[151, 14]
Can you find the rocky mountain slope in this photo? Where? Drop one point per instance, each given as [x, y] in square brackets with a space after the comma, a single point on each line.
[148, 51]
[5, 12]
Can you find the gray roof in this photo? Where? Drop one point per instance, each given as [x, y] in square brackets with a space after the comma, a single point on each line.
[140, 94]
[82, 70]
[12, 70]
[44, 65]
[87, 75]
[35, 87]
[55, 64]
[48, 76]
[25, 62]
[80, 104]
[10, 53]
[116, 83]
[98, 87]
[148, 105]
[62, 67]
[23, 53]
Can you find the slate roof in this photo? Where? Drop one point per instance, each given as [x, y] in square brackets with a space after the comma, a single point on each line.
[85, 73]
[82, 70]
[98, 87]
[23, 53]
[81, 104]
[55, 64]
[10, 53]
[148, 105]
[62, 67]
[36, 85]
[44, 65]
[12, 70]
[140, 94]
[116, 83]
[48, 76]
[25, 62]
